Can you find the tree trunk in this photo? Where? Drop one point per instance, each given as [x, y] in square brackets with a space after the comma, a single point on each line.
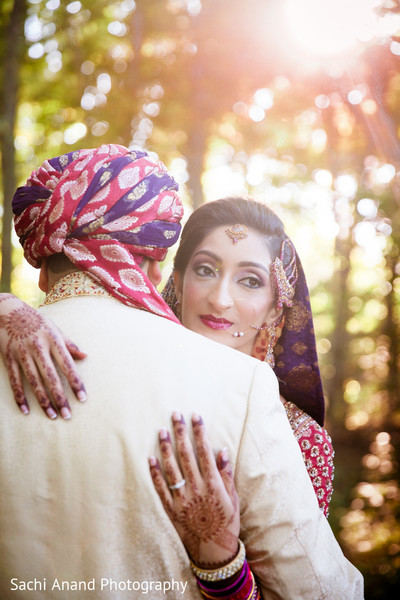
[13, 44]
[196, 147]
[391, 330]
[340, 337]
[338, 287]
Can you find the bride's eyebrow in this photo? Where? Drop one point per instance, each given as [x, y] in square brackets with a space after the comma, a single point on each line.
[208, 253]
[244, 263]
[247, 263]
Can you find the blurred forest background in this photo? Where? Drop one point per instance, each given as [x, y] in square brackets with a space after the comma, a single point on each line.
[294, 102]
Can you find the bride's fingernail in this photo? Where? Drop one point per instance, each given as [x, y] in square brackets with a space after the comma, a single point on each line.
[177, 416]
[65, 413]
[223, 459]
[81, 396]
[152, 461]
[197, 419]
[51, 413]
[164, 435]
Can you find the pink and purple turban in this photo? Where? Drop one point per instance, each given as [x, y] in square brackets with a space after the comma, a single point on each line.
[105, 209]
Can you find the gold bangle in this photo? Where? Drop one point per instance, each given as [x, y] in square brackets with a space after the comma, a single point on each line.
[223, 572]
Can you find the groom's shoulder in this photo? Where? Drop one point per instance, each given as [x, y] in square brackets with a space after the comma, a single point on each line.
[98, 320]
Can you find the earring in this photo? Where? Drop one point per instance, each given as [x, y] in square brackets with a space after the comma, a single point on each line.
[269, 356]
[271, 334]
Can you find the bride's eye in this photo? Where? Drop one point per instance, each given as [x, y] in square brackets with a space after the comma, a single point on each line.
[204, 271]
[252, 282]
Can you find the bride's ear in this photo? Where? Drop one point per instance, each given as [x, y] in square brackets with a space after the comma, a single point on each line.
[274, 315]
[44, 276]
[178, 280]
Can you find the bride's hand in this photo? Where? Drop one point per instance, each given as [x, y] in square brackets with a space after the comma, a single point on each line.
[29, 343]
[205, 509]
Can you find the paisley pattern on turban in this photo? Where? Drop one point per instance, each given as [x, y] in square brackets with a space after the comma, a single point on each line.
[105, 209]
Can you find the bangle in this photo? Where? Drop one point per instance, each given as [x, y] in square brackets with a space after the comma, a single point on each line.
[224, 572]
[243, 589]
[220, 588]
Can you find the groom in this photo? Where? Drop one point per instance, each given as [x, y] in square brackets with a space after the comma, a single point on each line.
[80, 517]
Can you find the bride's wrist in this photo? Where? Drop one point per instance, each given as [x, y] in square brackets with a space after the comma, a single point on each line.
[221, 571]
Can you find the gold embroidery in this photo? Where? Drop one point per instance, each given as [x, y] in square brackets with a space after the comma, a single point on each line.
[299, 348]
[138, 191]
[94, 225]
[297, 317]
[75, 284]
[106, 176]
[298, 419]
[302, 377]
[102, 236]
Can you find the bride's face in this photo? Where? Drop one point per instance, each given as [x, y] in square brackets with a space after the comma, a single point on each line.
[226, 288]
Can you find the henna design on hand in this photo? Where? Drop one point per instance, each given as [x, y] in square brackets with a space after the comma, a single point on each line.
[68, 366]
[203, 518]
[26, 342]
[16, 385]
[22, 322]
[205, 511]
[162, 490]
[186, 459]
[204, 521]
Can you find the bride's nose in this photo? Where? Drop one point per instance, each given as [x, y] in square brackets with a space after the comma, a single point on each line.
[221, 296]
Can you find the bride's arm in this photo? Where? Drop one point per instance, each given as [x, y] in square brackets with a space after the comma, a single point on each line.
[29, 343]
[202, 503]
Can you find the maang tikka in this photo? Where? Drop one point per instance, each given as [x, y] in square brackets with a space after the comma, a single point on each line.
[237, 232]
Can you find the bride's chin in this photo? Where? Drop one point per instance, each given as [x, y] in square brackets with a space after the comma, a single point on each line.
[222, 337]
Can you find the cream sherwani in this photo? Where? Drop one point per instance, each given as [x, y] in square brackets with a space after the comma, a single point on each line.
[78, 508]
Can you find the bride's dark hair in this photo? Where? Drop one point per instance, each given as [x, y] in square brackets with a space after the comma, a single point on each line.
[229, 211]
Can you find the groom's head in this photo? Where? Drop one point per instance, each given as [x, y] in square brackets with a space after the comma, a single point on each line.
[110, 212]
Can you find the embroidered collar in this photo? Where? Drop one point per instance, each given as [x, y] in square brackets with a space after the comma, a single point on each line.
[72, 285]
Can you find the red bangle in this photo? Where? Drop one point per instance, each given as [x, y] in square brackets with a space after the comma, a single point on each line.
[244, 588]
[220, 588]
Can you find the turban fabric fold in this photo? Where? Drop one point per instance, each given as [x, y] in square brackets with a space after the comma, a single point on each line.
[105, 209]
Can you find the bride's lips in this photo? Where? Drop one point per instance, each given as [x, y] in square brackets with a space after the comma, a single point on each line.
[215, 322]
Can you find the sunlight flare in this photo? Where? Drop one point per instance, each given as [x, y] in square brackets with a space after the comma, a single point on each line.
[329, 28]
